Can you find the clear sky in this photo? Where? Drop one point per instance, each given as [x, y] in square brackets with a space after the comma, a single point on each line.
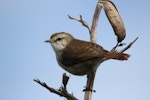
[25, 24]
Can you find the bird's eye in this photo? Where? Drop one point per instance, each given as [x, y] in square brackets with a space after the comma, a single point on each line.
[59, 39]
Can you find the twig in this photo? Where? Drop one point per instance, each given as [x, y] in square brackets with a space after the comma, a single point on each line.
[65, 80]
[61, 91]
[128, 46]
[84, 23]
[117, 45]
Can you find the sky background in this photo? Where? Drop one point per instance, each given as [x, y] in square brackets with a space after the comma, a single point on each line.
[25, 24]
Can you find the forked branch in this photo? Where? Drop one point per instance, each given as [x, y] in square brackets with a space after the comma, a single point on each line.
[92, 29]
[84, 23]
[61, 91]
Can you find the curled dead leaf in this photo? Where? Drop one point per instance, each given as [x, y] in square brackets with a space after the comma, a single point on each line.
[114, 19]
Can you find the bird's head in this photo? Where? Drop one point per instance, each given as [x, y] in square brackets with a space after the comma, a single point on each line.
[60, 40]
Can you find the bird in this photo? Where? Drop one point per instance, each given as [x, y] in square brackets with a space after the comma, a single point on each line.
[80, 57]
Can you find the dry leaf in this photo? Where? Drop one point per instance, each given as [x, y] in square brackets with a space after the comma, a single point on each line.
[114, 19]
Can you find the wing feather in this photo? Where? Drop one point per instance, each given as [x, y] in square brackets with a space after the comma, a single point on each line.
[81, 51]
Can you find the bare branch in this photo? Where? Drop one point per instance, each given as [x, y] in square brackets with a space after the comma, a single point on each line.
[95, 22]
[127, 47]
[91, 77]
[61, 91]
[84, 23]
[89, 86]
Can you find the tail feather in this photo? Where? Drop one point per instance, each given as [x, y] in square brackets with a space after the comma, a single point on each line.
[117, 56]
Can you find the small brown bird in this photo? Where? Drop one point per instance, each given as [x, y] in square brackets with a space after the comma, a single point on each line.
[80, 57]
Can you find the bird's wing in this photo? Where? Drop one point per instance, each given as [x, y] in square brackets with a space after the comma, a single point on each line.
[81, 51]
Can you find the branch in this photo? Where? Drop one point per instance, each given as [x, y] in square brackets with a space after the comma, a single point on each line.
[84, 23]
[95, 22]
[128, 46]
[89, 86]
[61, 91]
[91, 77]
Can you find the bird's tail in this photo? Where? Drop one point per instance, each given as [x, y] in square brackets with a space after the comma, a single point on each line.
[117, 55]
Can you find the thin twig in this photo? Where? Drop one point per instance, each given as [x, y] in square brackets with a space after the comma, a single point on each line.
[128, 46]
[118, 45]
[84, 23]
[61, 91]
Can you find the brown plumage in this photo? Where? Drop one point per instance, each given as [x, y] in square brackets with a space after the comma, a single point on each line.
[79, 51]
[80, 57]
[117, 56]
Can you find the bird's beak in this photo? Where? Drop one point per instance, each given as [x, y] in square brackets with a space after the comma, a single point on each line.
[48, 41]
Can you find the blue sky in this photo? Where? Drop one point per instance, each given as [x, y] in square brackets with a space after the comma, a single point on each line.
[25, 24]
